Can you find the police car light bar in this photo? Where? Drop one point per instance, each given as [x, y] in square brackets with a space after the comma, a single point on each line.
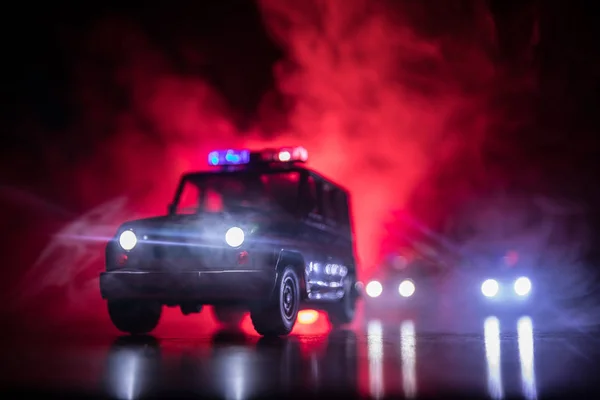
[229, 157]
[285, 154]
[241, 157]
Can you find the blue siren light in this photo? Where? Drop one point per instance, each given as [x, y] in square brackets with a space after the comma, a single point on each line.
[229, 157]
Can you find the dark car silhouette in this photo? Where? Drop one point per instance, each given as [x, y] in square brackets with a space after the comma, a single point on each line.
[260, 233]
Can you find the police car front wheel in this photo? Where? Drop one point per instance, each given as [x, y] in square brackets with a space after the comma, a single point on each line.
[134, 316]
[278, 316]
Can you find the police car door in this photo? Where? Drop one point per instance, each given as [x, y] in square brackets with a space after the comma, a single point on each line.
[337, 221]
[315, 235]
[324, 261]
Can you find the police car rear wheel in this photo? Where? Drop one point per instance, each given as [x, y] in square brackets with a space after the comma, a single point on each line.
[342, 312]
[135, 317]
[278, 316]
[228, 315]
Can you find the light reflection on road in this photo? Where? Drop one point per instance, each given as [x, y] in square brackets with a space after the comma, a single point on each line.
[526, 358]
[491, 329]
[493, 351]
[390, 357]
[408, 350]
[375, 354]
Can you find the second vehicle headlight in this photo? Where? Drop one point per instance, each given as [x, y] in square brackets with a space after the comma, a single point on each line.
[522, 286]
[406, 288]
[490, 288]
[374, 289]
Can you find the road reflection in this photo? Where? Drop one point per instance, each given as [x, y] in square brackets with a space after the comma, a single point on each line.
[238, 366]
[408, 351]
[232, 365]
[133, 368]
[491, 329]
[230, 371]
[375, 355]
[525, 334]
[526, 358]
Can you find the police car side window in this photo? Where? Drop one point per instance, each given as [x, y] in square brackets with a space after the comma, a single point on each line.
[328, 204]
[310, 200]
[341, 208]
[283, 188]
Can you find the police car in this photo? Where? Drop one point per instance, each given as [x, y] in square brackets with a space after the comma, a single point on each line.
[260, 232]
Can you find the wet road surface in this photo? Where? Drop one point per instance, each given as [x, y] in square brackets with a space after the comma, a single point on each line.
[504, 359]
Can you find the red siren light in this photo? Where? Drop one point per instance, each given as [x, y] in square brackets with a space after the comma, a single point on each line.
[285, 155]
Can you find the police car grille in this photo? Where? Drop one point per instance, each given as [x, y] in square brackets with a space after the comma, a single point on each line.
[186, 257]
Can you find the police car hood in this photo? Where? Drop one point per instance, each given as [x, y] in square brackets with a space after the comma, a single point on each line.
[197, 222]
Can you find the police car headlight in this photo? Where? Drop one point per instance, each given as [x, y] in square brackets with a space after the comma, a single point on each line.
[406, 288]
[522, 286]
[490, 288]
[234, 236]
[374, 289]
[127, 240]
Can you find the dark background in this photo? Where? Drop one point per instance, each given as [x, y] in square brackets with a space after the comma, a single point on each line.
[81, 125]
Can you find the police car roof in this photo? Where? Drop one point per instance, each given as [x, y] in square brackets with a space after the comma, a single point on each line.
[263, 169]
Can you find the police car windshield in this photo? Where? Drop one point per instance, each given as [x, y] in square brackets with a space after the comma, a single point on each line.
[238, 191]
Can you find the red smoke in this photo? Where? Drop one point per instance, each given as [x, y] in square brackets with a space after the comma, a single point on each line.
[382, 93]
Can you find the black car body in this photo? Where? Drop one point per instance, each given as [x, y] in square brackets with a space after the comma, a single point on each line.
[261, 232]
[501, 280]
[404, 287]
[425, 287]
[453, 274]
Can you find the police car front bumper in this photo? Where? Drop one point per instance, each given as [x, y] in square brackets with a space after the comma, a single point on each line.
[206, 286]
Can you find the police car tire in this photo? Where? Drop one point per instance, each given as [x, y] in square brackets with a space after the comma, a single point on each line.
[272, 319]
[134, 316]
[228, 315]
[343, 311]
